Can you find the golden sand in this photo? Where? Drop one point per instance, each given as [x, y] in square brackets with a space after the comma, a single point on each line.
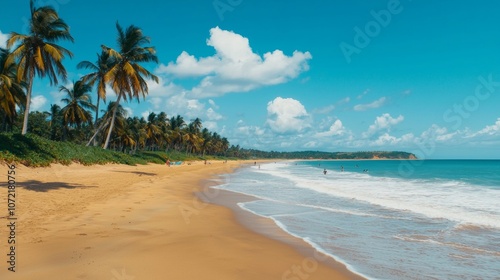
[137, 222]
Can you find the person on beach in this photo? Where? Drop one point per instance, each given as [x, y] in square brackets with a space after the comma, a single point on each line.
[324, 171]
[168, 163]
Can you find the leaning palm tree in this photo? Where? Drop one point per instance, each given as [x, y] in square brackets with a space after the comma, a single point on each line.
[11, 91]
[78, 104]
[105, 121]
[37, 53]
[127, 76]
[99, 70]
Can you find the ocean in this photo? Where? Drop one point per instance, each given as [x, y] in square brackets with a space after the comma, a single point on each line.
[385, 219]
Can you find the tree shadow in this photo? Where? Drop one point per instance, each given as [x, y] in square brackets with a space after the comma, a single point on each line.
[38, 186]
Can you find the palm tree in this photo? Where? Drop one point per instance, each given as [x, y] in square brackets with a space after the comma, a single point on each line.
[120, 119]
[153, 131]
[11, 91]
[126, 76]
[196, 125]
[78, 104]
[37, 52]
[55, 123]
[102, 66]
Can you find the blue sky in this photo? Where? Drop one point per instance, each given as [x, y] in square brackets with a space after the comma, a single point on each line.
[419, 76]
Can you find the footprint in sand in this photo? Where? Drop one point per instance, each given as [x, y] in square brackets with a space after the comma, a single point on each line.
[82, 234]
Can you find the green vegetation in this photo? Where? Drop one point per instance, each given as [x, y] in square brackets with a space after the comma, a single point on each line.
[325, 155]
[32, 150]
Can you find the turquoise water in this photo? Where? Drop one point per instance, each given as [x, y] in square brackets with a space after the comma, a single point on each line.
[386, 219]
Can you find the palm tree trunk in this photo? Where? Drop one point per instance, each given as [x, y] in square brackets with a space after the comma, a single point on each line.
[97, 132]
[97, 109]
[96, 114]
[28, 101]
[111, 126]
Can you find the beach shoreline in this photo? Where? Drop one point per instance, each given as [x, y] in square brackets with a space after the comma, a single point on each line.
[267, 227]
[115, 221]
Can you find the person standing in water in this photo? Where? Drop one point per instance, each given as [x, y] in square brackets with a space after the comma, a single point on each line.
[324, 171]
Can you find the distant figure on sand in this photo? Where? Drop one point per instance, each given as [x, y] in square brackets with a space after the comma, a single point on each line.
[324, 171]
[168, 163]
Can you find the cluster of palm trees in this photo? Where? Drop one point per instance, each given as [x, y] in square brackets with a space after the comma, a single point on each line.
[37, 54]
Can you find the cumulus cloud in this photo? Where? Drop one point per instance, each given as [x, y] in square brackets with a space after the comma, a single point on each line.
[192, 108]
[235, 67]
[3, 39]
[336, 129]
[163, 88]
[37, 102]
[287, 115]
[433, 132]
[383, 122]
[375, 104]
[385, 139]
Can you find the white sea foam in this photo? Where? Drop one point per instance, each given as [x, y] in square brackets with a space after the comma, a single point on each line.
[377, 225]
[452, 200]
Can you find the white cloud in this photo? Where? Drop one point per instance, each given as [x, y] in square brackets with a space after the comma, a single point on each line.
[156, 102]
[383, 122]
[490, 129]
[336, 129]
[287, 115]
[235, 67]
[145, 114]
[212, 104]
[344, 100]
[3, 39]
[250, 130]
[363, 94]
[163, 88]
[210, 125]
[212, 115]
[375, 104]
[191, 108]
[37, 102]
[324, 110]
[385, 139]
[407, 92]
[129, 111]
[433, 132]
[329, 108]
